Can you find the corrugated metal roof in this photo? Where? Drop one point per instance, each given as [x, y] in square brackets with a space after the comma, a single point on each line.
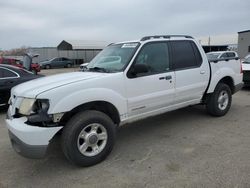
[81, 45]
[246, 31]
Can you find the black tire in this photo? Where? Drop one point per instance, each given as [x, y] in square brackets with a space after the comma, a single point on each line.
[213, 104]
[47, 66]
[74, 127]
[69, 65]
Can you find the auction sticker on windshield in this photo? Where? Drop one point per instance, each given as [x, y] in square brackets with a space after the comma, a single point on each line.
[129, 45]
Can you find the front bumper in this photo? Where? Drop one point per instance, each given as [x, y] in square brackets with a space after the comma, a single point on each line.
[29, 141]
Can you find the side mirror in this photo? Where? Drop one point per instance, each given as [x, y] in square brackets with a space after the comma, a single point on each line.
[138, 69]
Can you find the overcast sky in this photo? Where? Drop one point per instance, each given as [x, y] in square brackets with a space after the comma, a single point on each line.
[47, 22]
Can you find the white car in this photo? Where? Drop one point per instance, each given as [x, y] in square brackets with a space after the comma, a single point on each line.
[246, 70]
[146, 77]
[226, 55]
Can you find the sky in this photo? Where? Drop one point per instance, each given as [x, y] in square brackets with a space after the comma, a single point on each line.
[42, 23]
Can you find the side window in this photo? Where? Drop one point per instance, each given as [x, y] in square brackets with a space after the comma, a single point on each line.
[7, 74]
[185, 55]
[155, 56]
[230, 54]
[224, 55]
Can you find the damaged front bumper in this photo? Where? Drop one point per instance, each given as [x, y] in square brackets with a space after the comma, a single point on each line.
[28, 140]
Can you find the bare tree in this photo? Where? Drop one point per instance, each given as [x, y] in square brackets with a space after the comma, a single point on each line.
[15, 52]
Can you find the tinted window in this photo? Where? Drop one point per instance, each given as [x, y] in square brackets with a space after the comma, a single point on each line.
[7, 73]
[197, 54]
[64, 59]
[224, 55]
[155, 56]
[230, 54]
[185, 55]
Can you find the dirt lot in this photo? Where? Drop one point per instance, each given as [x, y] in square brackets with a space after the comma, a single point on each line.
[184, 148]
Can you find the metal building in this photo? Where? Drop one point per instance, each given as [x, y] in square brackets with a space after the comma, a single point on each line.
[243, 43]
[77, 50]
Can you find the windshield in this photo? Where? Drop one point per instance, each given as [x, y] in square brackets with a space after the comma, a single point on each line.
[213, 55]
[113, 58]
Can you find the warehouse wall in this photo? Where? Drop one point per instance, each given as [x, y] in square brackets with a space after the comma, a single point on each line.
[243, 44]
[78, 55]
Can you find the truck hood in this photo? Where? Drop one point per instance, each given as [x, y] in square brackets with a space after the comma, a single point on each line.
[33, 88]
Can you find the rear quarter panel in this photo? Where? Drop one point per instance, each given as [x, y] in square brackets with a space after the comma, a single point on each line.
[221, 69]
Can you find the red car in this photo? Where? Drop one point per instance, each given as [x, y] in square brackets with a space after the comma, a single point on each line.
[35, 67]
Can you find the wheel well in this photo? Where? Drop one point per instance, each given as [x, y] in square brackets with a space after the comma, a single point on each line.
[229, 81]
[102, 106]
[226, 80]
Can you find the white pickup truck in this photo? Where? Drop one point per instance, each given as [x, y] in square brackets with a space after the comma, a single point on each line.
[141, 78]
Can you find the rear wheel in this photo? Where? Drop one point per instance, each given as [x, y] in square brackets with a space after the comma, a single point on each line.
[69, 65]
[220, 101]
[88, 138]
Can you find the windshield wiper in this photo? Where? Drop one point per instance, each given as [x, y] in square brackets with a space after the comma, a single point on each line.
[98, 69]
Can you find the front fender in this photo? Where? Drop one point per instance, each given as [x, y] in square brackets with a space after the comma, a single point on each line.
[77, 98]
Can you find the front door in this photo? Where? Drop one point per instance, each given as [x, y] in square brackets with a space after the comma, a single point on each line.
[152, 91]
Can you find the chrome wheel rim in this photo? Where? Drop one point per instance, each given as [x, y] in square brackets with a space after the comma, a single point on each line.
[223, 100]
[92, 139]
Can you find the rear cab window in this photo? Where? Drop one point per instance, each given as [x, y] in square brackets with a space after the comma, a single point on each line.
[185, 55]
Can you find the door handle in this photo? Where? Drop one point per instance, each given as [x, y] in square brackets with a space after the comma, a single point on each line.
[169, 77]
[202, 72]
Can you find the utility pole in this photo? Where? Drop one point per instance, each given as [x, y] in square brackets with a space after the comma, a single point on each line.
[209, 40]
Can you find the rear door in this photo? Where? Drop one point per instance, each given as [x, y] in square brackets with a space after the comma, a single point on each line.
[152, 91]
[192, 73]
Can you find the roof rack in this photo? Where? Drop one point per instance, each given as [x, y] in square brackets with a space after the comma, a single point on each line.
[164, 36]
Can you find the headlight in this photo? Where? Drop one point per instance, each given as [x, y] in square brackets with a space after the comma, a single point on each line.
[30, 106]
[26, 106]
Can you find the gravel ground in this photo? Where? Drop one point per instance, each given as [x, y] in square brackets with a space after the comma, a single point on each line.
[183, 148]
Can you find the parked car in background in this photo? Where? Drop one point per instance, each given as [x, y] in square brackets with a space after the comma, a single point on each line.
[58, 62]
[246, 70]
[11, 76]
[221, 55]
[34, 67]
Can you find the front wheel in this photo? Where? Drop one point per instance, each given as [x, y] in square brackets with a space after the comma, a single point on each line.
[88, 138]
[220, 101]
